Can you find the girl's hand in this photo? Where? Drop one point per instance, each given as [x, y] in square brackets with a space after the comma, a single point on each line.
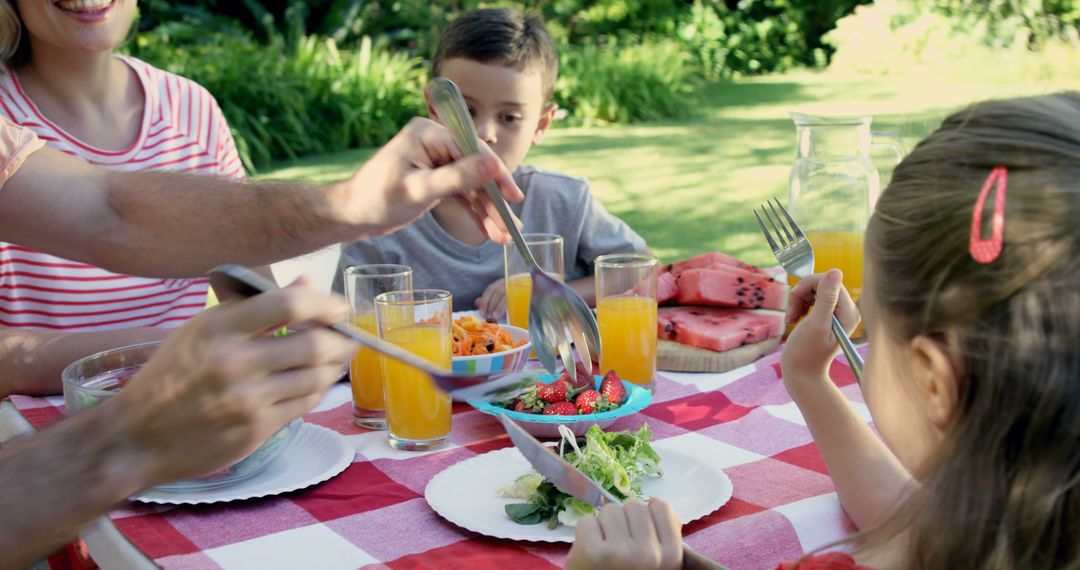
[812, 345]
[492, 304]
[632, 535]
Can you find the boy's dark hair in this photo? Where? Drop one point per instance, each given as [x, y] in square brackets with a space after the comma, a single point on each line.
[502, 36]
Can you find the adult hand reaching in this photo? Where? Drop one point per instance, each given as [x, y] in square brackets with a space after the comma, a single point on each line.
[418, 168]
[210, 395]
[220, 385]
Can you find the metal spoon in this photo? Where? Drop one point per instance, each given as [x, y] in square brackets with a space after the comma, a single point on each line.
[559, 319]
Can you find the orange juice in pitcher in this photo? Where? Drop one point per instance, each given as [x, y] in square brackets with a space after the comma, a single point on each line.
[832, 189]
[841, 250]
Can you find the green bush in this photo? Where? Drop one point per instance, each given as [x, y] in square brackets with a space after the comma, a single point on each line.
[624, 83]
[895, 37]
[291, 98]
[1005, 22]
[759, 36]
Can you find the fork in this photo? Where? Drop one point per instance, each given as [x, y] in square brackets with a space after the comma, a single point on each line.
[796, 256]
[559, 319]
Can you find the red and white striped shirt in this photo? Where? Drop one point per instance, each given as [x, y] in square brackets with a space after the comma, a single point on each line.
[182, 130]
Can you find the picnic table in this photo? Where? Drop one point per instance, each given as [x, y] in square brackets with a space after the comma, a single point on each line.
[374, 513]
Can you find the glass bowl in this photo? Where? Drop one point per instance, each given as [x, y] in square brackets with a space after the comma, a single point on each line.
[90, 380]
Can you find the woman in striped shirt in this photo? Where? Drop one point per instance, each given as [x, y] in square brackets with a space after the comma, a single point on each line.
[64, 82]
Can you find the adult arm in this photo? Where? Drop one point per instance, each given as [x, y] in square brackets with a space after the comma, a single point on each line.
[179, 225]
[212, 394]
[33, 360]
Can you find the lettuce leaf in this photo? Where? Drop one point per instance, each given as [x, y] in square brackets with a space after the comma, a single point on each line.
[618, 461]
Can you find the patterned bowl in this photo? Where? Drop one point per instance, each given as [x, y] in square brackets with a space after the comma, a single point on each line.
[90, 380]
[505, 361]
[539, 425]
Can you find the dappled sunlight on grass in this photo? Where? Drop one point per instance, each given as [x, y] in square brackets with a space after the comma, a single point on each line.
[690, 186]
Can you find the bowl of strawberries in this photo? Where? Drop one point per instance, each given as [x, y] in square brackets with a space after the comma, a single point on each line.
[574, 403]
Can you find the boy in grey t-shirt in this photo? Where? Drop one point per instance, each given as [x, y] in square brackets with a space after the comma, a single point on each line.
[505, 64]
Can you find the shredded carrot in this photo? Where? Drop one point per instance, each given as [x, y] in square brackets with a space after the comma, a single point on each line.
[473, 336]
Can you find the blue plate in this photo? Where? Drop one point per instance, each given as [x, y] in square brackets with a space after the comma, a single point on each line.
[539, 425]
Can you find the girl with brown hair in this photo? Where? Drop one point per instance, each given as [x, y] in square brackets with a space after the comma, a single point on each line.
[972, 309]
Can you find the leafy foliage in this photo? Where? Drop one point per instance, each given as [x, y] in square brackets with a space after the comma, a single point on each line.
[624, 84]
[298, 77]
[292, 97]
[988, 40]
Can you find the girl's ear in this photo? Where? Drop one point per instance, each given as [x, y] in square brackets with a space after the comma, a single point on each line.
[935, 379]
[547, 114]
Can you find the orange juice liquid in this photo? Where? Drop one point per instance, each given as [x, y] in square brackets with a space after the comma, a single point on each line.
[843, 251]
[518, 294]
[839, 250]
[628, 333]
[415, 408]
[365, 371]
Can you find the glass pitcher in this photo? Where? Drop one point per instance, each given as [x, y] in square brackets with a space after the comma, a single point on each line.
[833, 187]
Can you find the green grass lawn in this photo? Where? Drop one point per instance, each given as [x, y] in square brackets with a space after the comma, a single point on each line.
[690, 186]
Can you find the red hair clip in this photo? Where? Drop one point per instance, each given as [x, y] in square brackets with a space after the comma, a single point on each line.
[987, 250]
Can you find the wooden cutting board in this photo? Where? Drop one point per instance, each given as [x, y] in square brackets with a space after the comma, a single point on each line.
[675, 357]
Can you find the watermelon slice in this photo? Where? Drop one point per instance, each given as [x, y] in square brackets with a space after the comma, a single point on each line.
[712, 259]
[717, 329]
[666, 288]
[726, 286]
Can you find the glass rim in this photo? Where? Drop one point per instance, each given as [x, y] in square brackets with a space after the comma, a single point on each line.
[539, 239]
[68, 374]
[626, 261]
[394, 270]
[811, 120]
[436, 295]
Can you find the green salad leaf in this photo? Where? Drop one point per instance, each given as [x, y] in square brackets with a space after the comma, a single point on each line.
[618, 461]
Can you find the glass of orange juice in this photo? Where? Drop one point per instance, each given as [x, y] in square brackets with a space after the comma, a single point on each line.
[626, 313]
[547, 249]
[417, 413]
[362, 284]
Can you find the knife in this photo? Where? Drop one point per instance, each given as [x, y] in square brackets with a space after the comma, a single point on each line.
[569, 480]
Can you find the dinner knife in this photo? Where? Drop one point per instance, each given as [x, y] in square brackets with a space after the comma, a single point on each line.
[569, 480]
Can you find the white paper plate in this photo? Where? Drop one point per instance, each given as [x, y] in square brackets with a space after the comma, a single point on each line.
[314, 456]
[465, 493]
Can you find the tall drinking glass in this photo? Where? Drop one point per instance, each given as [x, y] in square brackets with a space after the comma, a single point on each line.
[548, 251]
[417, 413]
[626, 313]
[362, 284]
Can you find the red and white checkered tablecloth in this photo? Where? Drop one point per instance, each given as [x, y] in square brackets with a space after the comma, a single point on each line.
[374, 514]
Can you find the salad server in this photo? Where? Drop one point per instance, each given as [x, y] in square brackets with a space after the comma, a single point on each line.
[559, 319]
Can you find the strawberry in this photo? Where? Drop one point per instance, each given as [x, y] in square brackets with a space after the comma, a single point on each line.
[613, 388]
[520, 406]
[582, 379]
[589, 401]
[563, 408]
[555, 392]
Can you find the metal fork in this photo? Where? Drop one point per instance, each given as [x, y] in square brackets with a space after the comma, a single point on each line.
[559, 319]
[796, 256]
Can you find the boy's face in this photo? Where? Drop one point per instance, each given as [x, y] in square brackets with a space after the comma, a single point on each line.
[507, 105]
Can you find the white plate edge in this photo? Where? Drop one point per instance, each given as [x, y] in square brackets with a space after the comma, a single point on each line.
[725, 498]
[346, 455]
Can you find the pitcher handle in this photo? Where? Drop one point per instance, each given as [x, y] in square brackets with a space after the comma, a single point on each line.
[893, 143]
